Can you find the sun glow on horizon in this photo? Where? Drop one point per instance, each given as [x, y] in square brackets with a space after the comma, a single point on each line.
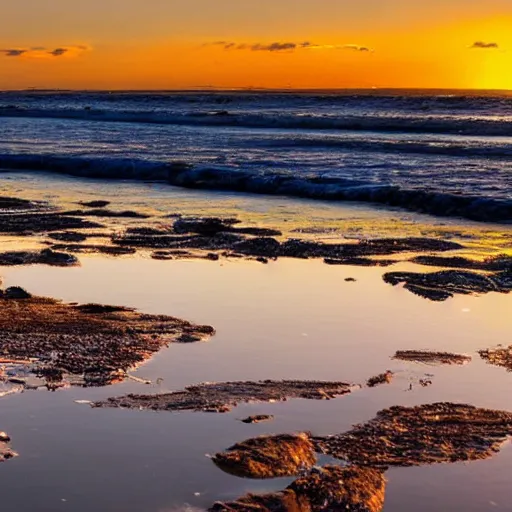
[403, 51]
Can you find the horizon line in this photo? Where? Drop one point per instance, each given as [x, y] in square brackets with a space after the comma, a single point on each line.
[251, 89]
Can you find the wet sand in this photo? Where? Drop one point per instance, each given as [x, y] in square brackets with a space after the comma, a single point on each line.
[290, 319]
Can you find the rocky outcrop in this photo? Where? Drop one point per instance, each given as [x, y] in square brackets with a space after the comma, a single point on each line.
[427, 434]
[351, 489]
[440, 286]
[222, 396]
[94, 344]
[268, 456]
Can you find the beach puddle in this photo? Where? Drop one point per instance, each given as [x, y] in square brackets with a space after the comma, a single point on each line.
[292, 319]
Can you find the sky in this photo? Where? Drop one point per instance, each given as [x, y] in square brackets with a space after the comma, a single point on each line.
[177, 44]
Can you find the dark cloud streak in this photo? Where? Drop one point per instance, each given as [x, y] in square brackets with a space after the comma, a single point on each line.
[286, 46]
[13, 52]
[58, 52]
[38, 52]
[481, 45]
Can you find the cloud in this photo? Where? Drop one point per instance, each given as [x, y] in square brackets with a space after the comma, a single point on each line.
[12, 52]
[58, 52]
[481, 45]
[286, 46]
[41, 52]
[259, 47]
[357, 48]
[273, 47]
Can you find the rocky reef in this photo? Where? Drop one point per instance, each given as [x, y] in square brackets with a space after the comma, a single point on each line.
[44, 257]
[86, 344]
[222, 396]
[426, 434]
[268, 456]
[431, 357]
[498, 356]
[352, 489]
[442, 285]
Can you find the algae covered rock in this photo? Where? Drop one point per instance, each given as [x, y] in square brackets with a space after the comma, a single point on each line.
[268, 456]
[426, 434]
[332, 488]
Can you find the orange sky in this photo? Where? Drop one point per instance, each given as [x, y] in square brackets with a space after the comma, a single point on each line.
[167, 44]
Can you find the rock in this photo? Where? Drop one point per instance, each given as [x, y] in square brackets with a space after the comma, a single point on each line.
[426, 434]
[44, 257]
[261, 246]
[268, 456]
[14, 203]
[218, 234]
[15, 292]
[95, 342]
[101, 212]
[95, 249]
[439, 286]
[94, 204]
[430, 357]
[501, 262]
[360, 262]
[221, 396]
[206, 226]
[68, 236]
[258, 418]
[352, 489]
[30, 217]
[383, 378]
[5, 451]
[499, 356]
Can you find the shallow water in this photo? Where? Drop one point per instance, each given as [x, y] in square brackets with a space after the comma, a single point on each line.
[287, 319]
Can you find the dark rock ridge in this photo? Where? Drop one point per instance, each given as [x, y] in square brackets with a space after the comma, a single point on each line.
[502, 262]
[14, 203]
[360, 262]
[268, 456]
[442, 285]
[89, 344]
[427, 434]
[95, 249]
[106, 213]
[41, 221]
[382, 378]
[181, 254]
[94, 204]
[68, 236]
[327, 489]
[213, 234]
[44, 257]
[209, 226]
[257, 418]
[222, 396]
[431, 357]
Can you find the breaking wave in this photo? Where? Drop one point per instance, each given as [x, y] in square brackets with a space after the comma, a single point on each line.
[211, 177]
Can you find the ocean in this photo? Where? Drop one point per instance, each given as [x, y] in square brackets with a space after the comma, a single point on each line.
[446, 153]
